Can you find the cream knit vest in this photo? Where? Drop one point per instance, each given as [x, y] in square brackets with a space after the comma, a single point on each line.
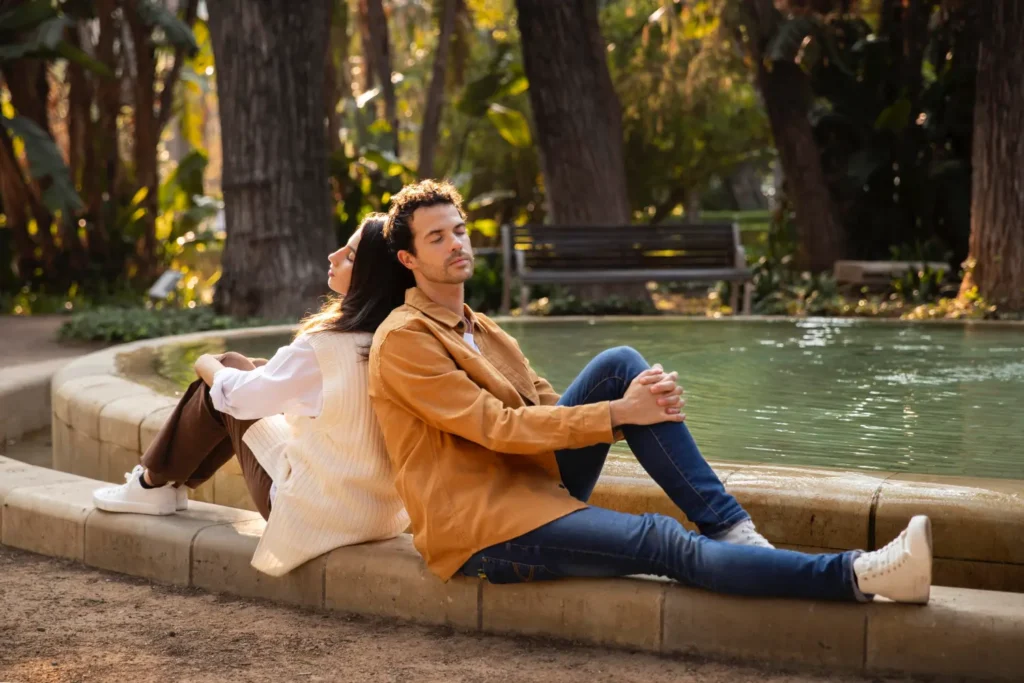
[334, 481]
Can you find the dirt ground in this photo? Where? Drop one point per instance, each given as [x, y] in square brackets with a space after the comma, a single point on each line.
[60, 621]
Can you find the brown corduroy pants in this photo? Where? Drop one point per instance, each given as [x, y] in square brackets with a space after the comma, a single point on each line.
[197, 440]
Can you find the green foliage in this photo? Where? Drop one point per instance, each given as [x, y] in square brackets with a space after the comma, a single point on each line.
[36, 29]
[920, 286]
[483, 290]
[155, 15]
[562, 302]
[511, 124]
[895, 145]
[45, 161]
[115, 324]
[690, 111]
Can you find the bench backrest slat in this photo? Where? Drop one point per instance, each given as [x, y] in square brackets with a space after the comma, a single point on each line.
[552, 247]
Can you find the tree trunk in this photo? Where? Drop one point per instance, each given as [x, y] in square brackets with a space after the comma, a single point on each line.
[336, 75]
[435, 94]
[461, 45]
[575, 111]
[787, 97]
[146, 140]
[377, 55]
[270, 79]
[103, 175]
[578, 122]
[996, 262]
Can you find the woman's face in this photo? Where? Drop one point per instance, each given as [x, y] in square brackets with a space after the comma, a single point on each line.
[340, 273]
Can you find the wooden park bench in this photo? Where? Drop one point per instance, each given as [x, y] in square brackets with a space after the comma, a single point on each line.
[575, 255]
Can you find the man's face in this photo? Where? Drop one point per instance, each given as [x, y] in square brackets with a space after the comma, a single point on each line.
[443, 252]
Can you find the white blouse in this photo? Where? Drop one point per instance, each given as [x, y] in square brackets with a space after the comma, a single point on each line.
[290, 383]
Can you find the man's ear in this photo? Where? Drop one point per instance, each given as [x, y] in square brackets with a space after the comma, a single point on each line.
[406, 259]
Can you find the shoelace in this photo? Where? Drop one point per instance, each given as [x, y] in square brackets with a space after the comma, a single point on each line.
[888, 558]
[129, 475]
[752, 537]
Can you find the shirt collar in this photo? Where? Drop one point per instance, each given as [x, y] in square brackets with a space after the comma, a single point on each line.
[415, 298]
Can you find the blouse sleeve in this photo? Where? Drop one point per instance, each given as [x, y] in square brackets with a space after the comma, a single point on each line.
[290, 382]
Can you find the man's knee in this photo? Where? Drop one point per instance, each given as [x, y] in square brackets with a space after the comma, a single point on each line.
[233, 359]
[625, 357]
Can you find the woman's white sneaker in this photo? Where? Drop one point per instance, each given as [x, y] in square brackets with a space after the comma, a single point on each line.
[131, 497]
[902, 570]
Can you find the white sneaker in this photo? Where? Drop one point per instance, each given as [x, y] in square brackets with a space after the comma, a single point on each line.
[181, 500]
[744, 533]
[131, 497]
[902, 570]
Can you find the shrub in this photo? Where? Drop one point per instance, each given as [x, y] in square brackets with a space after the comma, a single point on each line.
[113, 324]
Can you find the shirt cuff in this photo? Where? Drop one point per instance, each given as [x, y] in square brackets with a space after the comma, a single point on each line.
[599, 423]
[218, 392]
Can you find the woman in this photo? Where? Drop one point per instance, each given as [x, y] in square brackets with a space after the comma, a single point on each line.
[301, 424]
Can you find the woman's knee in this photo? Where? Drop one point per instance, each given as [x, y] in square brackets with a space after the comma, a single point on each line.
[233, 359]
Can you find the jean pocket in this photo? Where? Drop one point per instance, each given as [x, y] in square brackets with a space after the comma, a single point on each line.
[506, 571]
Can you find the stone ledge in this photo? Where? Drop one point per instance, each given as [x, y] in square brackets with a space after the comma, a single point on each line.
[98, 432]
[158, 548]
[25, 398]
[792, 631]
[48, 519]
[962, 632]
[388, 578]
[221, 562]
[626, 612]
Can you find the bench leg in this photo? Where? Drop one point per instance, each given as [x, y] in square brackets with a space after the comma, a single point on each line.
[748, 295]
[734, 297]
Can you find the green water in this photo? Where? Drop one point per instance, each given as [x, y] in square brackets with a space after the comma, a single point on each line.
[943, 399]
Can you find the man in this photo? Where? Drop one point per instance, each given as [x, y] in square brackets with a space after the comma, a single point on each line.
[495, 468]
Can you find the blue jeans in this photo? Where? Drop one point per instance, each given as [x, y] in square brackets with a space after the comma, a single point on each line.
[596, 542]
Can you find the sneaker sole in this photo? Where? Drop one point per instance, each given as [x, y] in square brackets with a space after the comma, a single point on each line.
[131, 507]
[931, 555]
[924, 591]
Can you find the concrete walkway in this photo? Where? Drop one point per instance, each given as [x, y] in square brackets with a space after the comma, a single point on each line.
[33, 339]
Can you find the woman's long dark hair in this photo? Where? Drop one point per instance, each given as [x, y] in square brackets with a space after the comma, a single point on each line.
[378, 287]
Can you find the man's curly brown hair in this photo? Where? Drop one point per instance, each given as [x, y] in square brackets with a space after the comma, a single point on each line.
[426, 193]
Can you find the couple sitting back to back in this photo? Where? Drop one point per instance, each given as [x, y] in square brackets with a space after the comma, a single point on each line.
[441, 423]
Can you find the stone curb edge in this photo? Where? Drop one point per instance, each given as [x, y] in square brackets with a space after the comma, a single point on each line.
[963, 632]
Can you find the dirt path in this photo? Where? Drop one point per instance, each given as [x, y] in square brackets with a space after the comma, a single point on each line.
[64, 622]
